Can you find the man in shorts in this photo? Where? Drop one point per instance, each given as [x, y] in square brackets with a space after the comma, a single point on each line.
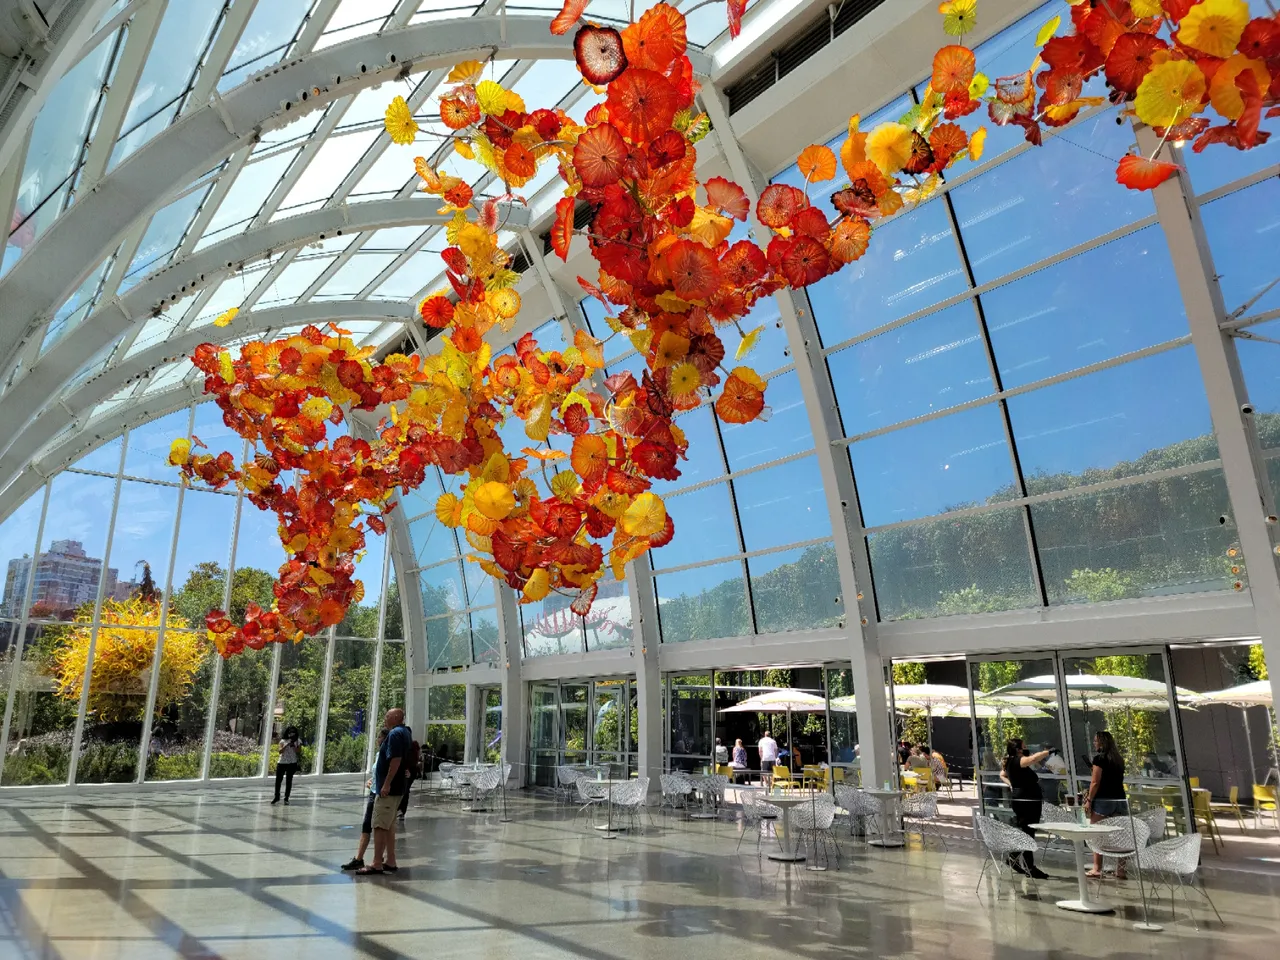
[389, 774]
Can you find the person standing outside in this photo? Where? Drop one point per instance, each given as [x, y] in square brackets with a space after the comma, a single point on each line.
[388, 784]
[287, 765]
[768, 748]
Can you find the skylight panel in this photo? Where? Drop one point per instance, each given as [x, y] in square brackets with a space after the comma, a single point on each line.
[354, 275]
[328, 168]
[266, 38]
[246, 196]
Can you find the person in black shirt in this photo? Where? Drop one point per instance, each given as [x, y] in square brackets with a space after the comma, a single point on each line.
[1025, 785]
[1106, 797]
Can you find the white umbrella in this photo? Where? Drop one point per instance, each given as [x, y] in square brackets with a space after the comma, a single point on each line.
[781, 701]
[1246, 695]
[990, 710]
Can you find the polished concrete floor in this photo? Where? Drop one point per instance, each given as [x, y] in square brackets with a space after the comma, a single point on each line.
[221, 874]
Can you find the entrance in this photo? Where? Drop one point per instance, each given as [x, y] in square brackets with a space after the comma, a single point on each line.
[581, 721]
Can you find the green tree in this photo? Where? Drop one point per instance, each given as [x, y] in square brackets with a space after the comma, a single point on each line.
[1135, 731]
[1096, 586]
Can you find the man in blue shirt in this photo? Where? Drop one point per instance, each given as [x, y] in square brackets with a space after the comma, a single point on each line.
[389, 776]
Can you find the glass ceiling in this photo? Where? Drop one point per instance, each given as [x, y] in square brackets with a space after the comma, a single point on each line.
[328, 157]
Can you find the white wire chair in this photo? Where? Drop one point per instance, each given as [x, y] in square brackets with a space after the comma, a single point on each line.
[676, 790]
[717, 783]
[591, 794]
[447, 783]
[1001, 842]
[1177, 861]
[813, 823]
[485, 784]
[629, 797]
[566, 777]
[859, 806]
[922, 810]
[1052, 813]
[756, 812]
[1156, 818]
[1118, 847]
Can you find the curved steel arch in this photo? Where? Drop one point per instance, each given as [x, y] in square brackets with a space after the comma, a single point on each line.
[86, 234]
[67, 357]
[23, 475]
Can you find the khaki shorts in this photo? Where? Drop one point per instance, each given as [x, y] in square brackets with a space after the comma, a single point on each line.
[384, 812]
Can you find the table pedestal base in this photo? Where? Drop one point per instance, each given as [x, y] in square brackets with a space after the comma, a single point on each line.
[887, 842]
[702, 816]
[785, 857]
[1086, 906]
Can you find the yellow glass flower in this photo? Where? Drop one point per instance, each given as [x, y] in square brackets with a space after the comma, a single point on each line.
[1223, 92]
[317, 408]
[685, 379]
[226, 317]
[1214, 26]
[646, 516]
[889, 147]
[400, 123]
[538, 585]
[1169, 93]
[505, 303]
[959, 16]
[748, 343]
[179, 452]
[495, 500]
[977, 144]
[491, 97]
[1146, 8]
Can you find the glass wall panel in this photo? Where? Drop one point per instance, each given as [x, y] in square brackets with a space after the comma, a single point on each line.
[75, 541]
[690, 721]
[394, 627]
[103, 459]
[1149, 539]
[148, 454]
[955, 461]
[957, 565]
[930, 364]
[998, 722]
[550, 627]
[703, 603]
[1240, 228]
[574, 721]
[44, 713]
[142, 539]
[349, 719]
[1142, 417]
[705, 459]
[544, 735]
[442, 589]
[1049, 322]
[1127, 696]
[484, 635]
[705, 527]
[182, 710]
[785, 432]
[242, 714]
[842, 721]
[609, 624]
[448, 641]
[200, 569]
[18, 533]
[393, 686]
[796, 589]
[115, 712]
[913, 264]
[1049, 199]
[784, 504]
[491, 742]
[609, 722]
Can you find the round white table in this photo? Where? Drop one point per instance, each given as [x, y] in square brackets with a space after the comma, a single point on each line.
[702, 783]
[789, 852]
[1077, 833]
[608, 826]
[890, 817]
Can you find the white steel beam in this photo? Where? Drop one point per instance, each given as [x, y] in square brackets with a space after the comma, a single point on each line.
[37, 54]
[137, 47]
[837, 481]
[223, 46]
[88, 231]
[1225, 389]
[180, 278]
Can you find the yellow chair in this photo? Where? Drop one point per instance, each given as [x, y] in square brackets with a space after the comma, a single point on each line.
[1204, 815]
[1264, 801]
[1231, 808]
[837, 774]
[782, 777]
[1194, 782]
[813, 776]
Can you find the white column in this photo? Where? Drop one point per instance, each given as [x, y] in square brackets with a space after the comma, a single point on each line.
[515, 709]
[1227, 395]
[874, 734]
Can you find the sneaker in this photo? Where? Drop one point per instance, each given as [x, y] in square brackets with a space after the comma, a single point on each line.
[355, 863]
[277, 800]
[1039, 874]
[286, 803]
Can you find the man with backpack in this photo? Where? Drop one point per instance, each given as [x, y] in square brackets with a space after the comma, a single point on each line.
[414, 765]
[389, 777]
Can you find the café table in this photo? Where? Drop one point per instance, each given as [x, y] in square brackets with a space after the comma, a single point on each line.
[789, 853]
[890, 817]
[606, 829]
[1078, 833]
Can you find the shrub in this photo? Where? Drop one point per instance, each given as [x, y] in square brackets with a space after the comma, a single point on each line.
[345, 754]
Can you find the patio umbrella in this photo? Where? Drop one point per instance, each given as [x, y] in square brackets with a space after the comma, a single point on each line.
[781, 701]
[1246, 695]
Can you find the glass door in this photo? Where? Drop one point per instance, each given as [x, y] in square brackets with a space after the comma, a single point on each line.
[1017, 697]
[609, 724]
[842, 725]
[1127, 694]
[573, 708]
[689, 721]
[544, 733]
[491, 729]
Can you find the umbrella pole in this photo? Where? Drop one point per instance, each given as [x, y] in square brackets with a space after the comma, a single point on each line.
[1253, 770]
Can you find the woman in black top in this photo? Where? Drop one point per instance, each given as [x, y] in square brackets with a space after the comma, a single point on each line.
[1106, 797]
[1024, 783]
